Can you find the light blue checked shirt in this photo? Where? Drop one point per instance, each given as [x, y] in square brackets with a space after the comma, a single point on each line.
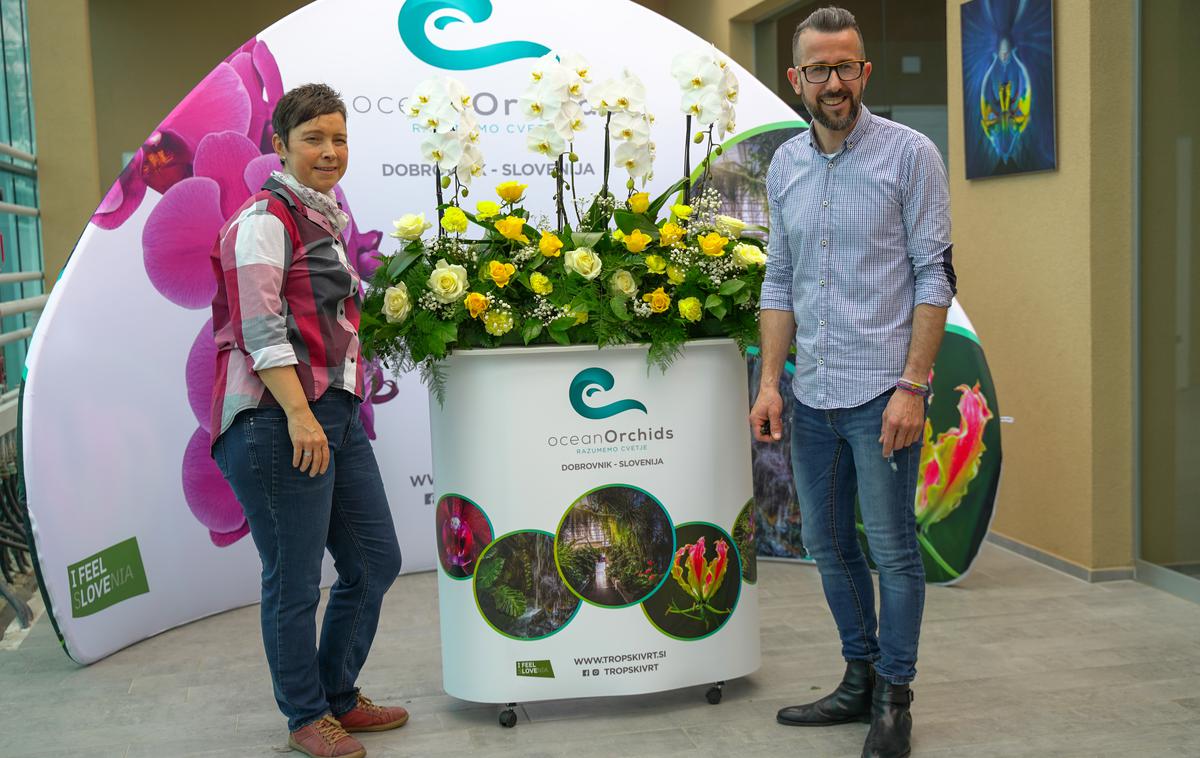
[857, 241]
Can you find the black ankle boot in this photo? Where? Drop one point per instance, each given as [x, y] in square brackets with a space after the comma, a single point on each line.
[891, 723]
[851, 701]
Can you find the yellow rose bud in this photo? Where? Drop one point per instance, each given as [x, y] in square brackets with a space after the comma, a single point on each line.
[713, 244]
[513, 228]
[659, 300]
[639, 202]
[511, 192]
[690, 308]
[476, 304]
[501, 273]
[581, 317]
[656, 264]
[454, 220]
[617, 235]
[670, 234]
[636, 241]
[486, 209]
[540, 283]
[676, 275]
[550, 245]
[497, 323]
[681, 211]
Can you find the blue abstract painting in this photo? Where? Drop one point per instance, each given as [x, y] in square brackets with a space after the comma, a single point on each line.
[1008, 86]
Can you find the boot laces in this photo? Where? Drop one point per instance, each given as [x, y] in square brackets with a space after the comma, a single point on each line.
[330, 730]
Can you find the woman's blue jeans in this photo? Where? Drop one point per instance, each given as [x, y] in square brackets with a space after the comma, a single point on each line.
[293, 520]
[836, 456]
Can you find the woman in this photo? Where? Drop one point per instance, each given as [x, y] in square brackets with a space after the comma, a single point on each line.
[286, 428]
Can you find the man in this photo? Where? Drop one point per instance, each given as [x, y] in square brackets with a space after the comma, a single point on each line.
[859, 275]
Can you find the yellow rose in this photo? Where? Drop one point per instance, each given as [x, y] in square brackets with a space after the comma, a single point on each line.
[583, 261]
[511, 192]
[410, 226]
[497, 323]
[670, 234]
[747, 255]
[581, 316]
[659, 301]
[486, 209]
[681, 211]
[501, 273]
[712, 244]
[550, 245]
[730, 226]
[448, 283]
[396, 303]
[639, 202]
[513, 228]
[656, 264]
[676, 275]
[476, 303]
[540, 283]
[636, 241]
[454, 220]
[690, 308]
[622, 281]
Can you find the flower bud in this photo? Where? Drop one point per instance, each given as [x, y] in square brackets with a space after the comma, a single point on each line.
[718, 150]
[445, 181]
[698, 138]
[629, 184]
[463, 191]
[573, 157]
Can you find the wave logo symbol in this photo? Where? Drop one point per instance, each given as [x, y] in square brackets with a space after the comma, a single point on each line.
[590, 381]
[414, 15]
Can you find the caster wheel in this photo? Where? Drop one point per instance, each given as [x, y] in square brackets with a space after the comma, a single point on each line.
[508, 719]
[713, 696]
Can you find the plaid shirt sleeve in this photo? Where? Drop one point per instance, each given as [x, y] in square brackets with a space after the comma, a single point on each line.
[253, 256]
[777, 282]
[927, 222]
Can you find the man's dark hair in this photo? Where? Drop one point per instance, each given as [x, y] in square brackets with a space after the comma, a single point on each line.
[304, 103]
[828, 20]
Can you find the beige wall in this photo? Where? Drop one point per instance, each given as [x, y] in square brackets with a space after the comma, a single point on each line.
[1044, 263]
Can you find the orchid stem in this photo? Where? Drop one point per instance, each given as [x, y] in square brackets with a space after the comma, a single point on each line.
[687, 158]
[560, 208]
[604, 185]
[437, 177]
[574, 197]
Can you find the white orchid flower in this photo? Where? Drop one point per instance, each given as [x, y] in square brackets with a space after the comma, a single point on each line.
[470, 164]
[725, 122]
[695, 69]
[545, 140]
[570, 121]
[457, 93]
[445, 149]
[577, 64]
[631, 127]
[702, 104]
[543, 100]
[637, 160]
[729, 85]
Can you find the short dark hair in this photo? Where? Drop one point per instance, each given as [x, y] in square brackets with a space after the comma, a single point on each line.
[828, 19]
[304, 103]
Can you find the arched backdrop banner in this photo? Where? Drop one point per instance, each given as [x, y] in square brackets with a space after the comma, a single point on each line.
[135, 530]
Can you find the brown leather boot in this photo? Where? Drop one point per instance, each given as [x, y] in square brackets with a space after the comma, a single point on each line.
[851, 701]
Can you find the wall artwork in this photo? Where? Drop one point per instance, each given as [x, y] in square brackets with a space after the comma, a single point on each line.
[1008, 86]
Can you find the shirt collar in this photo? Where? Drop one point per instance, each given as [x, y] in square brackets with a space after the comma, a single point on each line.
[856, 134]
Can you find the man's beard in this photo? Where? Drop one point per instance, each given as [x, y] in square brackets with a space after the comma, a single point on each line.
[834, 125]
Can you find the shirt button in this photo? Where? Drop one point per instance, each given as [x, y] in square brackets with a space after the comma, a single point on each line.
[824, 243]
[831, 164]
[820, 361]
[354, 360]
[822, 322]
[825, 203]
[822, 282]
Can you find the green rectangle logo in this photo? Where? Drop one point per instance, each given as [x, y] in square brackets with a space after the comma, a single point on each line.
[106, 578]
[541, 669]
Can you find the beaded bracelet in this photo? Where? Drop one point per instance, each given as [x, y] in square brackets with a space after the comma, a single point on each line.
[913, 388]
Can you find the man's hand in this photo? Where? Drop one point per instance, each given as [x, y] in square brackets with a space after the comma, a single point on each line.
[903, 421]
[767, 413]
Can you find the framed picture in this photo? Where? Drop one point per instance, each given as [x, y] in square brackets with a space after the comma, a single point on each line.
[1008, 86]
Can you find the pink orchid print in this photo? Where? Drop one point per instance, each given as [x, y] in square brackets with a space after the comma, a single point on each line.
[206, 158]
[463, 533]
[703, 580]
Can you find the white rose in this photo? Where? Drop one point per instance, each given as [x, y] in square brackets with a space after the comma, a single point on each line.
[447, 283]
[730, 226]
[396, 303]
[410, 226]
[622, 281]
[747, 255]
[583, 261]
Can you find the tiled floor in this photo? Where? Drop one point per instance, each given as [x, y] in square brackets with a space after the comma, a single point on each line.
[1019, 660]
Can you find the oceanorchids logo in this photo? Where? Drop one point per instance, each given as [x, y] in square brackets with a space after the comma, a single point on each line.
[414, 15]
[590, 381]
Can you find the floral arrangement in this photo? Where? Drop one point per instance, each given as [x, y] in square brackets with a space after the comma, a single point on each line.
[658, 270]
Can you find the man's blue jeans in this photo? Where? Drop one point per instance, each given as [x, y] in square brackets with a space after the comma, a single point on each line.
[836, 455]
[293, 519]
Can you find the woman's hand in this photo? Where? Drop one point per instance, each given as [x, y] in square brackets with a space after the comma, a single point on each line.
[310, 448]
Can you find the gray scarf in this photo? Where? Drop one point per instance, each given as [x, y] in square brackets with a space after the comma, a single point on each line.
[325, 204]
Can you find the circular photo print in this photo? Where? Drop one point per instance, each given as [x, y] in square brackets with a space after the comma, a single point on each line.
[463, 531]
[518, 589]
[745, 534]
[704, 586]
[614, 546]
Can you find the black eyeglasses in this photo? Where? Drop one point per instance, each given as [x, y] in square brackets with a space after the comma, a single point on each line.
[818, 73]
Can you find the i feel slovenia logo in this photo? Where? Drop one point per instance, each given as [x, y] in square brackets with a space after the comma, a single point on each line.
[590, 381]
[415, 14]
